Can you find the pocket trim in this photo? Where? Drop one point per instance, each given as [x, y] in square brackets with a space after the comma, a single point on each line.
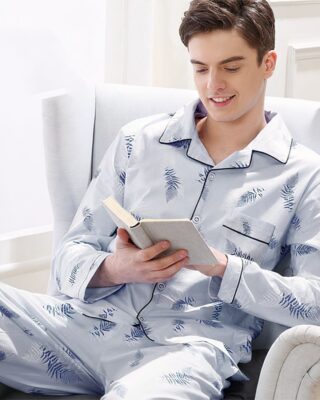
[243, 234]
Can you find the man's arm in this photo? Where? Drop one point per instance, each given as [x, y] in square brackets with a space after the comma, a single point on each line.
[288, 300]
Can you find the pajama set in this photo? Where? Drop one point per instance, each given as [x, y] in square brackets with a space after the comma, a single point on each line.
[183, 338]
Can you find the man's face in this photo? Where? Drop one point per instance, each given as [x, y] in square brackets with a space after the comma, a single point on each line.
[227, 76]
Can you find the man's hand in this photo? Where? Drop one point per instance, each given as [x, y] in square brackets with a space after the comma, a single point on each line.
[131, 264]
[213, 270]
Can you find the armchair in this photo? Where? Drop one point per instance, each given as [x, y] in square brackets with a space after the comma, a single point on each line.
[77, 130]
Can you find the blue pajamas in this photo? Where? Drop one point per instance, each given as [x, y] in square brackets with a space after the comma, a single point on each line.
[48, 346]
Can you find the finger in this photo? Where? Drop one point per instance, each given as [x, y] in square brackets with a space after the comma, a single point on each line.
[123, 238]
[167, 261]
[153, 251]
[169, 272]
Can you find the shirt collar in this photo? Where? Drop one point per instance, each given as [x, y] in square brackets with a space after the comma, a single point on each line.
[273, 140]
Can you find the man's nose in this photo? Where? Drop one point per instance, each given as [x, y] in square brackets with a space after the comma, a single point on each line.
[215, 82]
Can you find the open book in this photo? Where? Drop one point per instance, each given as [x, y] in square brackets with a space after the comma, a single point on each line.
[181, 233]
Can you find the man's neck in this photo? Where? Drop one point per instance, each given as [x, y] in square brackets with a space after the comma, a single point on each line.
[221, 139]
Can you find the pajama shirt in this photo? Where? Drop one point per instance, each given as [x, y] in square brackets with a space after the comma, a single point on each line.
[259, 206]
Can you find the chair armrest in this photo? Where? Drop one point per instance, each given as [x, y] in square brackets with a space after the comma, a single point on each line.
[291, 369]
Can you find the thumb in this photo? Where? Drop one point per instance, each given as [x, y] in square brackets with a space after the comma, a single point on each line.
[123, 238]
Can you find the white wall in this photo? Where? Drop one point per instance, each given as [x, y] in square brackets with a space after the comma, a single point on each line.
[298, 47]
[45, 45]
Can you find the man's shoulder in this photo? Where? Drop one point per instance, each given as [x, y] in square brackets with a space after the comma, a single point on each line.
[146, 125]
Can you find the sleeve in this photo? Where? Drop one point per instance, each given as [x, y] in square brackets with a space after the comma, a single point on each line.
[91, 236]
[288, 300]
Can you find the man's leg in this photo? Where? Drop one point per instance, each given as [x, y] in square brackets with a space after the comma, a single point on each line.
[35, 351]
[180, 372]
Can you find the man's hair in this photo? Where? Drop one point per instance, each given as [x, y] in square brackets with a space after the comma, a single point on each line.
[252, 19]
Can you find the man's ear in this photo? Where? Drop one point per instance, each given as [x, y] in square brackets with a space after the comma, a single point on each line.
[269, 62]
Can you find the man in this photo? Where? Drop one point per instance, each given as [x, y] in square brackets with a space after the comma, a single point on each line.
[134, 324]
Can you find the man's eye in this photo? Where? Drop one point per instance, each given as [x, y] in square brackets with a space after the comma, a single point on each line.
[232, 69]
[200, 71]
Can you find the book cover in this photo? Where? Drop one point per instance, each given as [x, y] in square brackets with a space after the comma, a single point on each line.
[181, 233]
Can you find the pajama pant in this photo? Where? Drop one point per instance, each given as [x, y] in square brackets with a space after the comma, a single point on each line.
[48, 346]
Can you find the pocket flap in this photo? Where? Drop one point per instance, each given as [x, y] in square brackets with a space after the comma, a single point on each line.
[250, 227]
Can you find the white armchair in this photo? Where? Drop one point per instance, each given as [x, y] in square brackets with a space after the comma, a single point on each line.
[77, 130]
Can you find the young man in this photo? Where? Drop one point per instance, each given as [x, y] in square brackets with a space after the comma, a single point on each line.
[133, 324]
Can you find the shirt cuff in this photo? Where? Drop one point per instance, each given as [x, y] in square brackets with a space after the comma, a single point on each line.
[231, 279]
[90, 294]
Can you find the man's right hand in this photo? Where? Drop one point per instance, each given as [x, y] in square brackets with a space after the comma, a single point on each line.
[131, 264]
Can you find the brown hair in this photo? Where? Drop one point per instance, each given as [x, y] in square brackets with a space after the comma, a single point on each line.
[253, 20]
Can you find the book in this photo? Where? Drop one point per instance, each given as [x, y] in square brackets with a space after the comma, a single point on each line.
[181, 233]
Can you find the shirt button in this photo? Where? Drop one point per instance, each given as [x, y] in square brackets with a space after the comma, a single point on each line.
[141, 319]
[211, 176]
[196, 219]
[161, 286]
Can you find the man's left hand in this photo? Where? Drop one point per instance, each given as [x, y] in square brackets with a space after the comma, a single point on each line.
[213, 270]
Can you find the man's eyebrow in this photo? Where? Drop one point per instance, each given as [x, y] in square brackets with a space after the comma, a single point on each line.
[226, 61]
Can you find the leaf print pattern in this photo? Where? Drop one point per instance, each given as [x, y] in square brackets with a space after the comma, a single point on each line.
[183, 304]
[295, 222]
[122, 178]
[229, 350]
[181, 144]
[287, 192]
[217, 308]
[273, 243]
[239, 164]
[56, 369]
[178, 325]
[58, 282]
[135, 334]
[172, 184]
[2, 356]
[250, 196]
[302, 250]
[202, 180]
[107, 312]
[60, 310]
[298, 309]
[137, 358]
[177, 378]
[203, 175]
[246, 347]
[88, 218]
[285, 250]
[210, 322]
[72, 278]
[104, 326]
[246, 227]
[256, 329]
[233, 250]
[129, 140]
[6, 312]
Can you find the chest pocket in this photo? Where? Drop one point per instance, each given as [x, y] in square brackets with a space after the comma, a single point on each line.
[247, 237]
